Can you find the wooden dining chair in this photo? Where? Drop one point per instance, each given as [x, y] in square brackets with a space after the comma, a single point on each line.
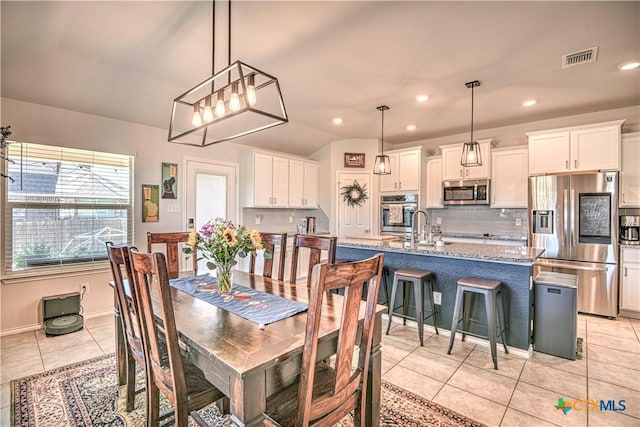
[129, 310]
[169, 372]
[323, 394]
[172, 253]
[315, 244]
[272, 241]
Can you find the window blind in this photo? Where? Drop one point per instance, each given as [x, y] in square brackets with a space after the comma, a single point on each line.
[63, 205]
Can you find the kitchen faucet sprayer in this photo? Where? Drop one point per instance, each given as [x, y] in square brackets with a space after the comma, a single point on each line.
[414, 223]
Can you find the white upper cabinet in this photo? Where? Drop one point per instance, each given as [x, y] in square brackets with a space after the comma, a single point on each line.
[575, 149]
[405, 171]
[630, 171]
[273, 181]
[303, 184]
[434, 183]
[509, 177]
[453, 170]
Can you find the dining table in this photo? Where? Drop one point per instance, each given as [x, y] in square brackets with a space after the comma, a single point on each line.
[248, 361]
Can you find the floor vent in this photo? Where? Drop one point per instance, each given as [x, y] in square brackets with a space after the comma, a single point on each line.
[579, 58]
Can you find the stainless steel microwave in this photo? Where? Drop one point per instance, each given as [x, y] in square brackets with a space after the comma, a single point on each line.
[466, 192]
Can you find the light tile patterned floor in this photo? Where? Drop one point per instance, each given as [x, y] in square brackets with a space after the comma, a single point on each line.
[522, 392]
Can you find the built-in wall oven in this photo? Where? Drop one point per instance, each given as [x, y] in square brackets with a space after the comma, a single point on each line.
[396, 213]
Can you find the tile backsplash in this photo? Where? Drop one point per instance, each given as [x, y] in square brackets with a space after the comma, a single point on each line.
[282, 220]
[479, 220]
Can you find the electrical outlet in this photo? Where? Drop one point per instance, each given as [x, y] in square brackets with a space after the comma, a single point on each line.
[437, 298]
[84, 288]
[518, 222]
[438, 221]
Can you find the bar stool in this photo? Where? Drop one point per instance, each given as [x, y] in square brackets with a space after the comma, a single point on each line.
[418, 278]
[492, 290]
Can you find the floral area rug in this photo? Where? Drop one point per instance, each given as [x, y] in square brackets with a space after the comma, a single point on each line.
[87, 394]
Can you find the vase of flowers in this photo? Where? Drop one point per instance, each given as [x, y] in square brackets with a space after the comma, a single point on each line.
[220, 241]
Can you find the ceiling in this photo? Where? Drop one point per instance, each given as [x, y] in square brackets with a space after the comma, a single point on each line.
[129, 60]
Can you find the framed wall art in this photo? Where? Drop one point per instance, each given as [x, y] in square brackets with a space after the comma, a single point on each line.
[353, 160]
[150, 203]
[169, 180]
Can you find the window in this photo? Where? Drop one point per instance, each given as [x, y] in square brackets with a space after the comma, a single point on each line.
[62, 206]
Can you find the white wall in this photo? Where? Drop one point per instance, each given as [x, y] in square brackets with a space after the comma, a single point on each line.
[331, 159]
[19, 300]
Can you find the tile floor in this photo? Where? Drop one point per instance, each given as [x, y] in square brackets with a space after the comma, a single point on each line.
[522, 392]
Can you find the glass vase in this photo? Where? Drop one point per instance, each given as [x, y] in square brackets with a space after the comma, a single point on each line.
[224, 277]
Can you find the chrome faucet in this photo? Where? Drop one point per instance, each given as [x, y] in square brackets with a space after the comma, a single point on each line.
[414, 222]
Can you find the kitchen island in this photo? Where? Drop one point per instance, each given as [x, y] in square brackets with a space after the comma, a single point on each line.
[513, 266]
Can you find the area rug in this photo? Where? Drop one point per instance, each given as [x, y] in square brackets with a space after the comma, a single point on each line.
[87, 394]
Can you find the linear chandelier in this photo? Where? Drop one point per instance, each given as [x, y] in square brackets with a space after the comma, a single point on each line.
[471, 155]
[236, 101]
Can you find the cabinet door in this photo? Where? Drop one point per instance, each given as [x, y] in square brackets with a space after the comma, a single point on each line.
[509, 178]
[549, 153]
[630, 172]
[630, 280]
[310, 185]
[409, 170]
[434, 183]
[390, 182]
[262, 180]
[482, 171]
[296, 183]
[596, 148]
[280, 192]
[451, 167]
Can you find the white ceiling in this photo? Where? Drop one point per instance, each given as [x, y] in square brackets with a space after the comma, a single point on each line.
[128, 60]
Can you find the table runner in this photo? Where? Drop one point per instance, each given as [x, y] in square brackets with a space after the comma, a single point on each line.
[257, 306]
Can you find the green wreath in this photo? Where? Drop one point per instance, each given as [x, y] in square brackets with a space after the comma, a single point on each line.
[354, 194]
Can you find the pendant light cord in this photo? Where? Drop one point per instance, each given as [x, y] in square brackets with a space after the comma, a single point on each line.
[472, 86]
[229, 47]
[382, 134]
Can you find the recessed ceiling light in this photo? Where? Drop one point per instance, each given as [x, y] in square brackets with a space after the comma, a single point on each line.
[529, 102]
[337, 121]
[631, 65]
[411, 127]
[422, 98]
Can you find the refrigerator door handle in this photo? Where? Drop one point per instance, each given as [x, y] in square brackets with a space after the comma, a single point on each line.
[572, 267]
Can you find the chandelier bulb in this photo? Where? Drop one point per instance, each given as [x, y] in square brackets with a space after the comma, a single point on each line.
[220, 110]
[251, 89]
[234, 102]
[207, 116]
[197, 118]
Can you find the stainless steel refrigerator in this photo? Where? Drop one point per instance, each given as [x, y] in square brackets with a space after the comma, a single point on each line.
[575, 219]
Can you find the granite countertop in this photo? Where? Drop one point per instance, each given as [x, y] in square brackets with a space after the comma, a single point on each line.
[477, 251]
[623, 245]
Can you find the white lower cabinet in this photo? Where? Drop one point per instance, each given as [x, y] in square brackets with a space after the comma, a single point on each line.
[630, 282]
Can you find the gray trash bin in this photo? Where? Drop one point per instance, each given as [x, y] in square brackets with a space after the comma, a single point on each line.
[555, 314]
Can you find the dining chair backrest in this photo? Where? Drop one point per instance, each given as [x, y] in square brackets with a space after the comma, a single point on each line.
[129, 313]
[172, 243]
[315, 244]
[325, 395]
[272, 241]
[174, 376]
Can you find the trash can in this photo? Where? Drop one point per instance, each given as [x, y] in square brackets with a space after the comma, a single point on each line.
[555, 314]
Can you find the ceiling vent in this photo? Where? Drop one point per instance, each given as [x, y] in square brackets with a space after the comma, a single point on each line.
[579, 58]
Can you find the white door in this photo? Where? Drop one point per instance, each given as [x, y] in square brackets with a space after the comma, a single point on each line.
[353, 220]
[211, 191]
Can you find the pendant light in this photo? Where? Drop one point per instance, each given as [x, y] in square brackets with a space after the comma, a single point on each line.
[247, 100]
[471, 150]
[382, 165]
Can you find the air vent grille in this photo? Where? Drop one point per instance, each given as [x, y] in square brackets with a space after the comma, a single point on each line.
[579, 58]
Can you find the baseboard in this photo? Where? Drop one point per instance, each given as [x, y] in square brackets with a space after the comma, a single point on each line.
[38, 326]
[445, 332]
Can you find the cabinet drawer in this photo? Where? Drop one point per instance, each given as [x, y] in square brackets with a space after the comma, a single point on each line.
[630, 255]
